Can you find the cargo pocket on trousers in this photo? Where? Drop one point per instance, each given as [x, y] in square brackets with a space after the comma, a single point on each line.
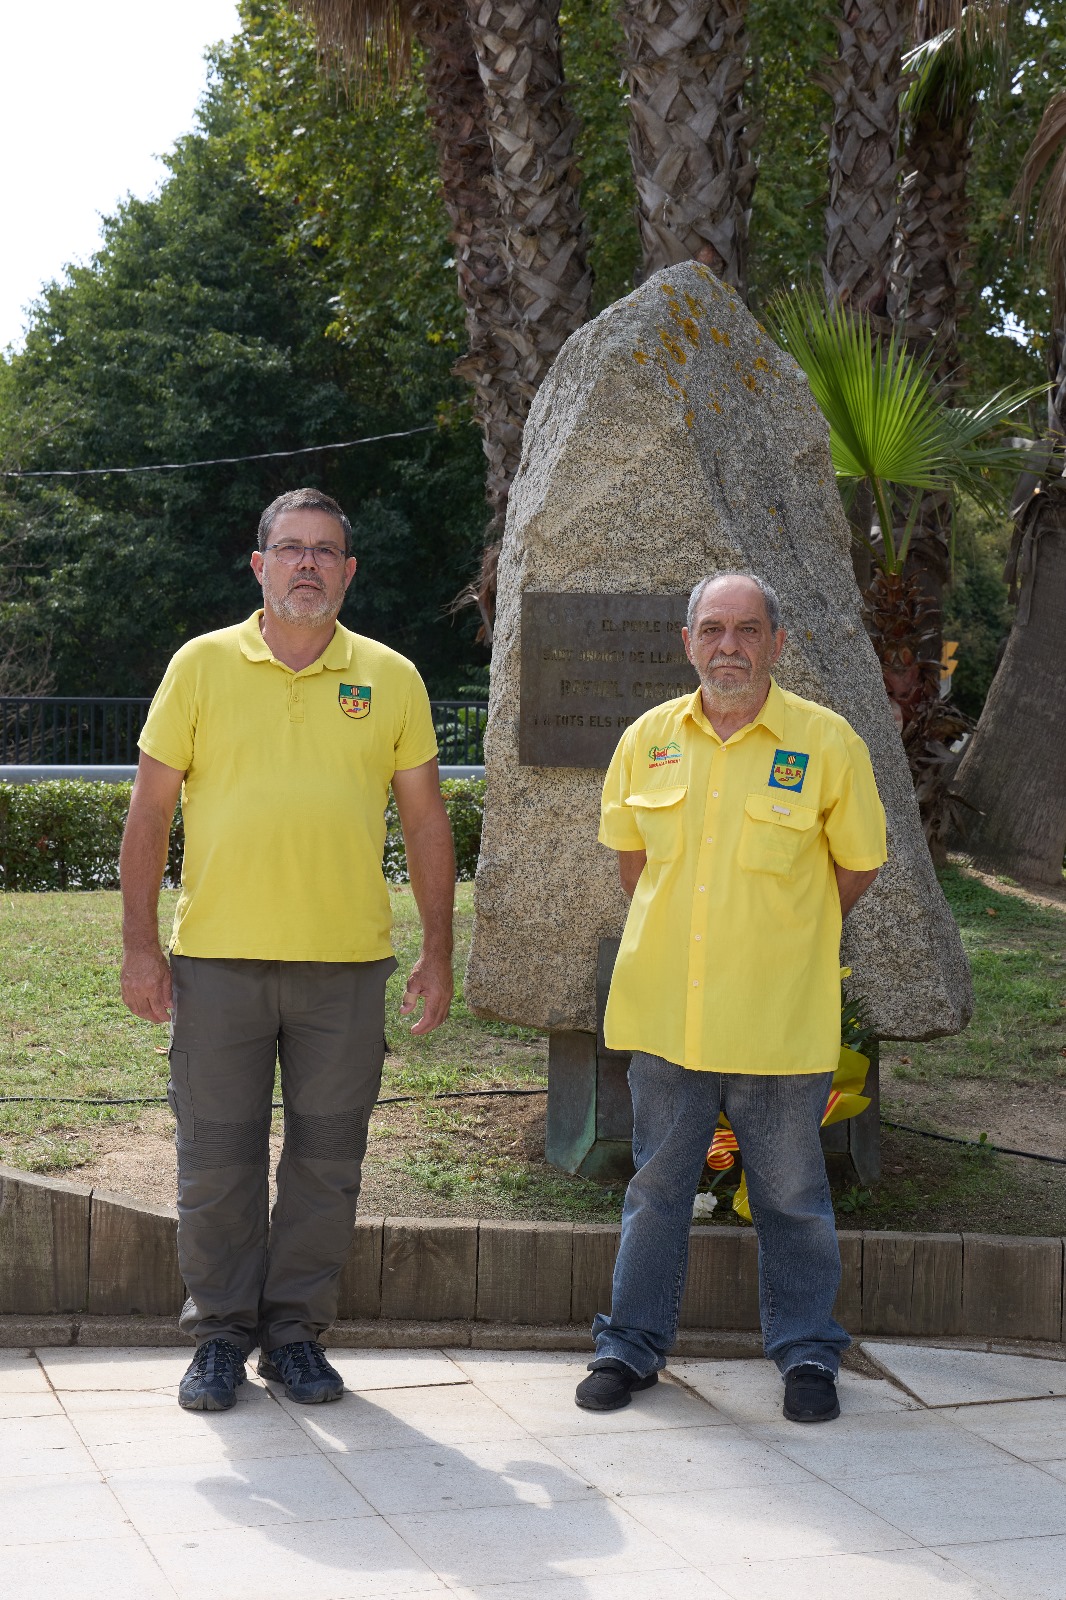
[179, 1095]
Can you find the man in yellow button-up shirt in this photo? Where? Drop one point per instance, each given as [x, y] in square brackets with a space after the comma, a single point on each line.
[747, 824]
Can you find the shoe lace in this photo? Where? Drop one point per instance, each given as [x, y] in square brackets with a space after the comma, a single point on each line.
[218, 1359]
[301, 1361]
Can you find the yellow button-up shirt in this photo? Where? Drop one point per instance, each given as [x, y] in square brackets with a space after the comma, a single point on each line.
[286, 782]
[730, 960]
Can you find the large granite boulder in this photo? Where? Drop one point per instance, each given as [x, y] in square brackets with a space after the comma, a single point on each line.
[672, 438]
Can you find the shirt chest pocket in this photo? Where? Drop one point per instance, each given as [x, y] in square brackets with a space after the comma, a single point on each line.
[659, 819]
[773, 833]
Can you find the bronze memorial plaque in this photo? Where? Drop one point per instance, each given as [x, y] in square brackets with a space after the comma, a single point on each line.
[591, 663]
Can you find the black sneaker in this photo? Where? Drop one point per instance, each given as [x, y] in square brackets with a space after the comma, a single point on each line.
[304, 1370]
[810, 1395]
[214, 1376]
[609, 1387]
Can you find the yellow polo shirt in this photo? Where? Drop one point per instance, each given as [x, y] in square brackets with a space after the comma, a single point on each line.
[286, 782]
[730, 960]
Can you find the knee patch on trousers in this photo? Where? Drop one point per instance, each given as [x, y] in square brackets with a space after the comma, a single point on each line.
[225, 1144]
[339, 1137]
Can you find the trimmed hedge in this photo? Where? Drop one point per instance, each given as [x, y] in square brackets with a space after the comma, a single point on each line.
[66, 834]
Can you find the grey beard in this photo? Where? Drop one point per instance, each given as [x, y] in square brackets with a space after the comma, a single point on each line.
[728, 695]
[300, 615]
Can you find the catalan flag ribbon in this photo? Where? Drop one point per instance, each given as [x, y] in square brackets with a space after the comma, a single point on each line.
[846, 1099]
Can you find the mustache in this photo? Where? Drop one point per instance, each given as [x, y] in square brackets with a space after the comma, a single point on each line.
[729, 661]
[306, 577]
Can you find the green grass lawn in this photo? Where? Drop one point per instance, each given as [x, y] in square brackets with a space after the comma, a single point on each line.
[65, 1033]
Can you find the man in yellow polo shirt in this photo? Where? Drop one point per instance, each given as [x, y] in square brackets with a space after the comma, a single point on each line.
[747, 824]
[282, 735]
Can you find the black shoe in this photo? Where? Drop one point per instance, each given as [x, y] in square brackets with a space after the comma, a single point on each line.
[214, 1376]
[609, 1387]
[303, 1369]
[810, 1395]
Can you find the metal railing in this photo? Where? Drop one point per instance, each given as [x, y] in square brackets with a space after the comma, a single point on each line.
[83, 730]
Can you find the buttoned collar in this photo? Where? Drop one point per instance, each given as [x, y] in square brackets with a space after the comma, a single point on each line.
[335, 657]
[771, 715]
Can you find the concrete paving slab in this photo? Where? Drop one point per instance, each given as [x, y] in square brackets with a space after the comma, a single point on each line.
[20, 1373]
[359, 1558]
[522, 1544]
[120, 1370]
[404, 1419]
[943, 1508]
[807, 1518]
[474, 1474]
[1034, 1430]
[503, 1366]
[546, 1407]
[33, 1447]
[435, 1477]
[56, 1509]
[94, 1569]
[677, 1583]
[871, 1445]
[887, 1575]
[1031, 1568]
[752, 1391]
[42, 1403]
[681, 1462]
[235, 1494]
[967, 1377]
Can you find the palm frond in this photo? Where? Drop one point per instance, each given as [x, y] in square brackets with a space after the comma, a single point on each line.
[370, 40]
[1050, 232]
[961, 50]
[887, 425]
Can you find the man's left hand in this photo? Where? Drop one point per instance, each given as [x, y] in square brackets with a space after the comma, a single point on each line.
[431, 980]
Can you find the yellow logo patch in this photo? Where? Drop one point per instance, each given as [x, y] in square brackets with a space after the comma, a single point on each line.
[354, 699]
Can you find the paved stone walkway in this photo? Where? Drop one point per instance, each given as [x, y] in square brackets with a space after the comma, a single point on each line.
[472, 1473]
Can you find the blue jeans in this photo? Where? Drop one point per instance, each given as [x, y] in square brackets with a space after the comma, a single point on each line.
[776, 1120]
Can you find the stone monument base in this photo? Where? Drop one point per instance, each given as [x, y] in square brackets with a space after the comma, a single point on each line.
[589, 1121]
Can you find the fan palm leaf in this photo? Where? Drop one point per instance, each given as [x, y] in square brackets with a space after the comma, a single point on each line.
[888, 429]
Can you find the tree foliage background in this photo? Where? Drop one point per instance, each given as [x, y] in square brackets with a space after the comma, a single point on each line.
[292, 284]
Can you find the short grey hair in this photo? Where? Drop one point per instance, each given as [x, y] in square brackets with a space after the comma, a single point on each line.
[304, 500]
[768, 592]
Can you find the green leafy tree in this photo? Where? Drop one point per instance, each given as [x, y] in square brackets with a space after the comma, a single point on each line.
[201, 330]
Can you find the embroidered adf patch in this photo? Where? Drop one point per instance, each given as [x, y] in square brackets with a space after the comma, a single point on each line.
[354, 699]
[788, 771]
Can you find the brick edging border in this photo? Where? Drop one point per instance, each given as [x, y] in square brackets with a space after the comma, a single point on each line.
[80, 1258]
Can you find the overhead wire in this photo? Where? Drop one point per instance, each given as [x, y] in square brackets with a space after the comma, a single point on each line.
[214, 461]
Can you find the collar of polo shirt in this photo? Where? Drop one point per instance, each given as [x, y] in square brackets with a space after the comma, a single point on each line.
[334, 658]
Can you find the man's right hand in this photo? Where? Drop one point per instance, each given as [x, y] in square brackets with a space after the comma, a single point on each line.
[146, 984]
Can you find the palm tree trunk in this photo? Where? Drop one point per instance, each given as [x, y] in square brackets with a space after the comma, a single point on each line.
[456, 101]
[1014, 768]
[864, 83]
[690, 138]
[531, 132]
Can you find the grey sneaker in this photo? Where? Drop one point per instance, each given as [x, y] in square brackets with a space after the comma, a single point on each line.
[213, 1378]
[303, 1369]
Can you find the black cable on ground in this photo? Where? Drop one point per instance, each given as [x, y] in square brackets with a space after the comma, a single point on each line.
[486, 1094]
[973, 1144]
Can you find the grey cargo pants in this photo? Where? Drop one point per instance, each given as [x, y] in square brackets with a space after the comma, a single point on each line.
[250, 1279]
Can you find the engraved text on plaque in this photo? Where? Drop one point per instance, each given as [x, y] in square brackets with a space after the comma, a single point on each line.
[591, 664]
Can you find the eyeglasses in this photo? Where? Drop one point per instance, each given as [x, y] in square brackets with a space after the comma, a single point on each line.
[290, 554]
